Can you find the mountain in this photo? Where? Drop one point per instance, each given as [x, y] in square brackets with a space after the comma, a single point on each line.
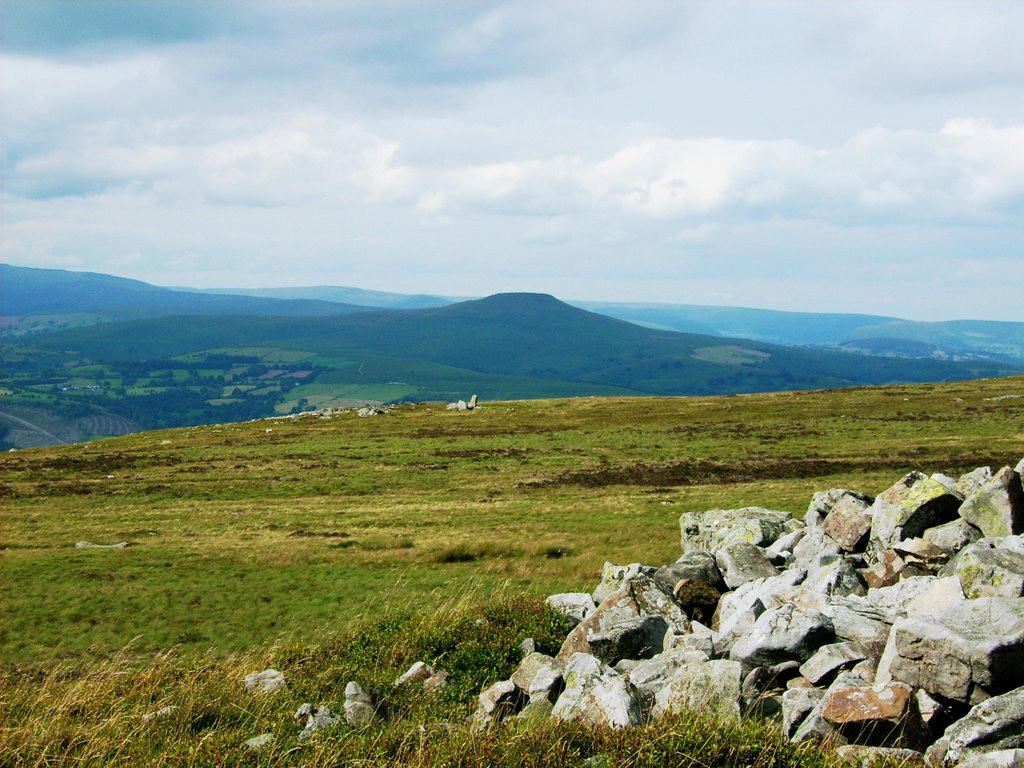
[344, 295]
[26, 292]
[868, 334]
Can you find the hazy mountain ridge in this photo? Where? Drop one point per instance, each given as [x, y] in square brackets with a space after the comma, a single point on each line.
[182, 369]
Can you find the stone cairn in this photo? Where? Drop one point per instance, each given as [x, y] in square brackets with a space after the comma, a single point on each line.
[888, 627]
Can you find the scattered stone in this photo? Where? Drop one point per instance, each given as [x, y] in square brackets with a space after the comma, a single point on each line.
[159, 714]
[314, 719]
[640, 637]
[257, 743]
[360, 708]
[267, 681]
[830, 659]
[780, 553]
[90, 545]
[420, 671]
[615, 577]
[814, 545]
[1004, 758]
[526, 647]
[985, 571]
[823, 501]
[538, 673]
[838, 577]
[797, 703]
[372, 410]
[953, 536]
[973, 480]
[501, 700]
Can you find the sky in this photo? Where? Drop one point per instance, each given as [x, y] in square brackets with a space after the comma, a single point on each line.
[801, 155]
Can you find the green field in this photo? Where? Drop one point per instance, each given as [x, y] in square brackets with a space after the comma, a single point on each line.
[247, 533]
[265, 543]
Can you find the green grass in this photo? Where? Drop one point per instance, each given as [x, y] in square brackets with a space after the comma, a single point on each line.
[95, 715]
[265, 531]
[349, 547]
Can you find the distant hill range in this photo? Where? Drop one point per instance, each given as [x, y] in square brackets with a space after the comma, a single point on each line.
[865, 334]
[152, 357]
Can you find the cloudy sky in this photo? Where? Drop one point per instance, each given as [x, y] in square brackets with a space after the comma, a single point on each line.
[804, 155]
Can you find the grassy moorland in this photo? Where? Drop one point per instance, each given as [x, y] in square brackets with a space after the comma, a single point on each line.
[336, 547]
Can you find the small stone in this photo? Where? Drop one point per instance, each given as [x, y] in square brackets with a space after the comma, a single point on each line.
[417, 672]
[257, 743]
[314, 719]
[360, 705]
[267, 681]
[160, 713]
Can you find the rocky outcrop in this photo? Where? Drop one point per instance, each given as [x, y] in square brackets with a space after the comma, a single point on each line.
[890, 626]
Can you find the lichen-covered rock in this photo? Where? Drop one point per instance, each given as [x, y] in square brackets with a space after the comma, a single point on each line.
[909, 508]
[503, 699]
[797, 704]
[838, 577]
[640, 637]
[994, 724]
[823, 501]
[831, 659]
[971, 481]
[997, 507]
[848, 522]
[987, 571]
[699, 570]
[814, 545]
[953, 536]
[650, 675]
[596, 694]
[701, 686]
[781, 634]
[575, 606]
[539, 673]
[615, 577]
[780, 553]
[971, 644]
[1003, 758]
[640, 596]
[718, 528]
[741, 562]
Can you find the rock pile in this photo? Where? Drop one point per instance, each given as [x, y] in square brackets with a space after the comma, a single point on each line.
[890, 625]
